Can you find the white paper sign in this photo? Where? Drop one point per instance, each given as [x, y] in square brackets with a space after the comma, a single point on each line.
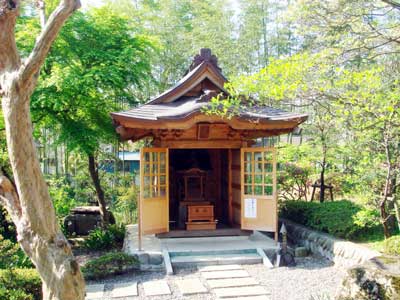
[250, 208]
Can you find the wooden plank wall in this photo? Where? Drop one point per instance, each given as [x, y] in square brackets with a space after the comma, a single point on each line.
[235, 185]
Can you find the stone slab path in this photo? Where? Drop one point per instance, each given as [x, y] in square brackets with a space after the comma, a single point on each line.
[319, 279]
[225, 282]
[156, 288]
[191, 286]
[233, 282]
[125, 290]
[225, 274]
[94, 291]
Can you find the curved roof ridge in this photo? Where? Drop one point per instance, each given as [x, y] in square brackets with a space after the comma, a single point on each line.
[202, 71]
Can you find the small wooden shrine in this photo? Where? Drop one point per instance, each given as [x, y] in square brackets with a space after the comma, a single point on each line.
[202, 171]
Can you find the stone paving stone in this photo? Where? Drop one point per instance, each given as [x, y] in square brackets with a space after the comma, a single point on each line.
[231, 282]
[191, 286]
[156, 288]
[125, 290]
[94, 291]
[244, 291]
[225, 274]
[263, 297]
[220, 268]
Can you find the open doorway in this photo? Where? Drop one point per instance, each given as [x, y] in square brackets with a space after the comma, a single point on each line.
[198, 177]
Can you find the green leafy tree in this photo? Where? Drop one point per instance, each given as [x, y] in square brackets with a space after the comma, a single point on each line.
[96, 64]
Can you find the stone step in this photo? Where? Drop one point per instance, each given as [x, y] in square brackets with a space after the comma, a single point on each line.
[263, 297]
[225, 274]
[248, 291]
[94, 291]
[156, 288]
[231, 282]
[127, 289]
[191, 286]
[220, 268]
[217, 259]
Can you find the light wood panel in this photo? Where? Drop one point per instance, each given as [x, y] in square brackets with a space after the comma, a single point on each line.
[154, 191]
[258, 181]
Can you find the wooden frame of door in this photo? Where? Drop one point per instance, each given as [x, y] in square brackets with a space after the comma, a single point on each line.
[258, 181]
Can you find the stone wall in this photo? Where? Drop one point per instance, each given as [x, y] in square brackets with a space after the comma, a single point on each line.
[341, 252]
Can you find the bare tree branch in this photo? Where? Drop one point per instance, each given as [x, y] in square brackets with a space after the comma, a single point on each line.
[393, 3]
[9, 197]
[9, 57]
[46, 38]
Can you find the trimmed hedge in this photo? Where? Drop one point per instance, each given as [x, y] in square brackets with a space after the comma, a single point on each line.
[392, 245]
[343, 219]
[113, 263]
[20, 284]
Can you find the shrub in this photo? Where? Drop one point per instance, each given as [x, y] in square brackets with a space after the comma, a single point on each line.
[392, 245]
[293, 181]
[14, 294]
[105, 238]
[20, 284]
[7, 227]
[125, 206]
[109, 264]
[343, 219]
[12, 256]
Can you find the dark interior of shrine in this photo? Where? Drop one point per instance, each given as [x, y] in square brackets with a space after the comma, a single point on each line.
[198, 177]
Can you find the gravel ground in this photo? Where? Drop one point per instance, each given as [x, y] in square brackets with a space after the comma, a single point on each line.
[313, 278]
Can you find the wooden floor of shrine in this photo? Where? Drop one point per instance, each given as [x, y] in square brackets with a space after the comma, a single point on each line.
[221, 230]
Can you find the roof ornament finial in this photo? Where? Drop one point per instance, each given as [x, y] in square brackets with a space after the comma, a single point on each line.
[205, 55]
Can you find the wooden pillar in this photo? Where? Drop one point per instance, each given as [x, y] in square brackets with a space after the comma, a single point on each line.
[139, 214]
[230, 207]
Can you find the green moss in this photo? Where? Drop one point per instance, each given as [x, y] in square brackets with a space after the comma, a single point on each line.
[110, 264]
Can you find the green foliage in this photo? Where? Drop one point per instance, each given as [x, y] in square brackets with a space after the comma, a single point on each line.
[95, 63]
[62, 194]
[12, 256]
[113, 263]
[18, 294]
[125, 206]
[343, 219]
[392, 245]
[7, 227]
[293, 182]
[20, 284]
[111, 237]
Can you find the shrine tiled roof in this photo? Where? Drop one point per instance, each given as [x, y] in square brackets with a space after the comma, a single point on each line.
[186, 106]
[191, 95]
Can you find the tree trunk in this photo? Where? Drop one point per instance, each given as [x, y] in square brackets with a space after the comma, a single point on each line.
[94, 174]
[322, 187]
[396, 203]
[386, 192]
[30, 205]
[32, 210]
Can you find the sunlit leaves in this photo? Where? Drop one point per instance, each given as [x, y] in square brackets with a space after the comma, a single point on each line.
[93, 68]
